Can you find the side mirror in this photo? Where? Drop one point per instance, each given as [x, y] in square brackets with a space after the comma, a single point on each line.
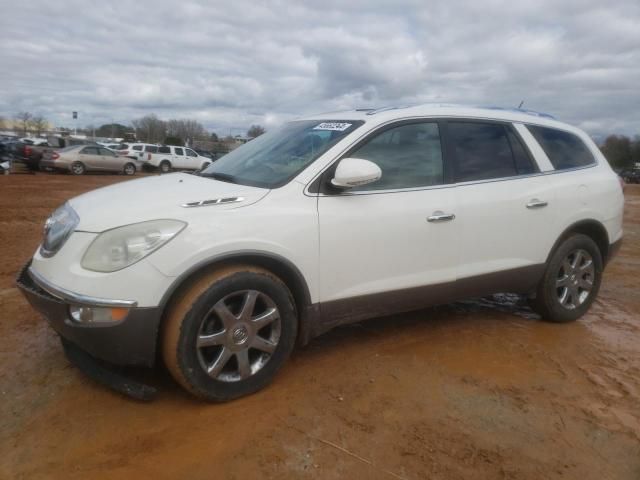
[354, 172]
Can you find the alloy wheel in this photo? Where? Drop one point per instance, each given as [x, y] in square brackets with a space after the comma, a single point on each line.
[238, 335]
[575, 279]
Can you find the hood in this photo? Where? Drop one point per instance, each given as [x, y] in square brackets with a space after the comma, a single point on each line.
[158, 197]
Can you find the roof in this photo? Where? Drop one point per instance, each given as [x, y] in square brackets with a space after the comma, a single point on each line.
[385, 114]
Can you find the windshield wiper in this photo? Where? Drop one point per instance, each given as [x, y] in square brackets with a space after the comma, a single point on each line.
[223, 177]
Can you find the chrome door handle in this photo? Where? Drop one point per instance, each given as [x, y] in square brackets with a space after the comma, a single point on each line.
[440, 217]
[535, 203]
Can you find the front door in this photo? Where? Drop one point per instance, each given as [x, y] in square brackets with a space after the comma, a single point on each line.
[179, 159]
[390, 245]
[192, 159]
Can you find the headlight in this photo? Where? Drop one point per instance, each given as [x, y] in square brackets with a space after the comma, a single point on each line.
[57, 229]
[123, 246]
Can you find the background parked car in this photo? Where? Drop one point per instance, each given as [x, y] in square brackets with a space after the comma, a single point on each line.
[206, 153]
[169, 157]
[31, 154]
[630, 176]
[89, 158]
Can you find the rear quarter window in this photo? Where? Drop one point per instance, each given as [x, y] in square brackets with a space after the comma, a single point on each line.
[565, 150]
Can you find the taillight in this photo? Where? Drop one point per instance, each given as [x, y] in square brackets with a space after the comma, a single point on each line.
[55, 156]
[148, 156]
[27, 150]
[123, 152]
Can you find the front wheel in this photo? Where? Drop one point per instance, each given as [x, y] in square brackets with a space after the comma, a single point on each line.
[571, 280]
[229, 332]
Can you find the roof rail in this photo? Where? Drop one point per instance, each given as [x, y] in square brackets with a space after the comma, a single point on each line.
[522, 110]
[373, 111]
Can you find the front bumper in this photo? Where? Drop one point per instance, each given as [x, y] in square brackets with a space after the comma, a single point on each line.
[132, 341]
[614, 248]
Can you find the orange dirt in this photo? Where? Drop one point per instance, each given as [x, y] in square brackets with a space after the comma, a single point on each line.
[478, 389]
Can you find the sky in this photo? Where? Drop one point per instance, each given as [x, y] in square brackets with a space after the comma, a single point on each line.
[233, 63]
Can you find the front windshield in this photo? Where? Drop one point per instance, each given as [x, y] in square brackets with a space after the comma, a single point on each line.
[272, 159]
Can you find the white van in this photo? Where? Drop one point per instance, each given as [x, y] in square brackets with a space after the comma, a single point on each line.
[169, 157]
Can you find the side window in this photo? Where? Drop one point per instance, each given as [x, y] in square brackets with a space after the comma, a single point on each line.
[190, 152]
[409, 156]
[178, 151]
[564, 149]
[164, 150]
[137, 147]
[151, 149]
[106, 152]
[89, 150]
[482, 151]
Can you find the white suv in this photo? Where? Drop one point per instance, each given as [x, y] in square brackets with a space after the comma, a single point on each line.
[136, 151]
[328, 220]
[169, 158]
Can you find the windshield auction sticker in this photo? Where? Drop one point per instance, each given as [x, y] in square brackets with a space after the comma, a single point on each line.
[336, 126]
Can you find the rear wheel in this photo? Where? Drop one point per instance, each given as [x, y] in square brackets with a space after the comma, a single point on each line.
[165, 166]
[129, 169]
[229, 332]
[571, 280]
[78, 168]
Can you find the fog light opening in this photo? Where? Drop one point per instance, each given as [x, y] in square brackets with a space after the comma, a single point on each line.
[95, 315]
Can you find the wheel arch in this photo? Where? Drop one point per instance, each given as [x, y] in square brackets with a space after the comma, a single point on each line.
[278, 265]
[591, 228]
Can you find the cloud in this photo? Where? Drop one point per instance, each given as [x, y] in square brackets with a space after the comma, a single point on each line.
[236, 63]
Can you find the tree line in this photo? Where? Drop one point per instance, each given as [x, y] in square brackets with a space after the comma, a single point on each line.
[621, 151]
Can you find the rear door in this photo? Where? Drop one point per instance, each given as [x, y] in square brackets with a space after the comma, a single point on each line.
[90, 157]
[503, 212]
[164, 153]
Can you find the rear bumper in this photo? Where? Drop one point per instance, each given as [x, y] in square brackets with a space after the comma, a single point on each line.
[131, 341]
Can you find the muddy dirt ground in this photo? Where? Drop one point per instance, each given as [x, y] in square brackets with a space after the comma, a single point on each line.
[478, 389]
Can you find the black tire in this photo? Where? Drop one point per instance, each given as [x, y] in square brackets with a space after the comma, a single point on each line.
[129, 169]
[547, 301]
[165, 166]
[78, 168]
[193, 306]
